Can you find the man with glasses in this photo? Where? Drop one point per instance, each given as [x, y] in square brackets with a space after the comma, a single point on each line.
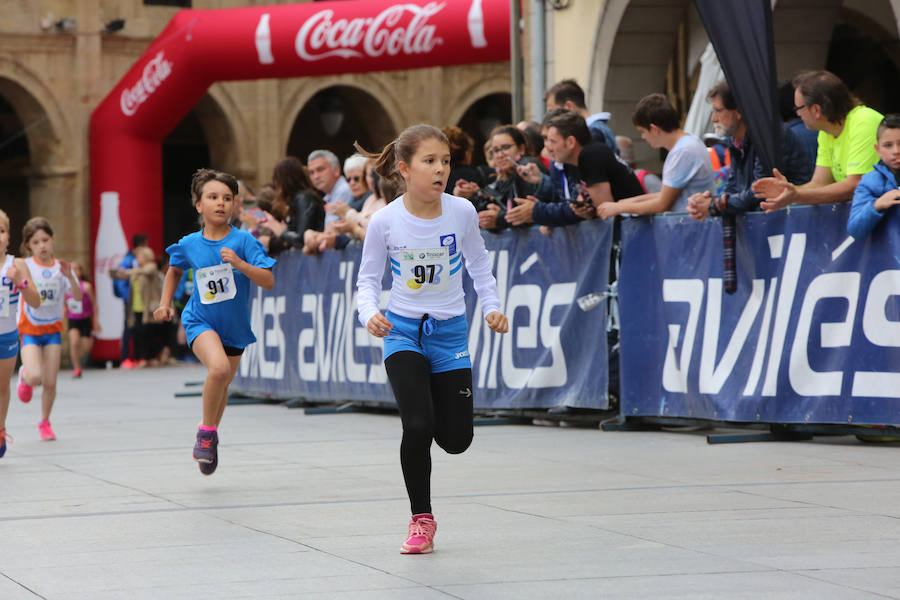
[746, 166]
[846, 144]
[325, 173]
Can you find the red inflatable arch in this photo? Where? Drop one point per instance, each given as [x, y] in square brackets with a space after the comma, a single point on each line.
[201, 47]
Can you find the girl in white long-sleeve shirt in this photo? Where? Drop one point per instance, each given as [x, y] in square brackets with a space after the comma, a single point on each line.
[427, 236]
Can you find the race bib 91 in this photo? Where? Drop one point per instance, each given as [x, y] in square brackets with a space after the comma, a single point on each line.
[215, 284]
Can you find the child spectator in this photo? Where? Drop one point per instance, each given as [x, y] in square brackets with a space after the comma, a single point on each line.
[146, 289]
[878, 191]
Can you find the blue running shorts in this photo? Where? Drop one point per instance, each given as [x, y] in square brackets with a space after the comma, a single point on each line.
[47, 339]
[444, 343]
[9, 344]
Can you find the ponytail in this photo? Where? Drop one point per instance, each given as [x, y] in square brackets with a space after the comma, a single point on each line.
[402, 149]
[385, 162]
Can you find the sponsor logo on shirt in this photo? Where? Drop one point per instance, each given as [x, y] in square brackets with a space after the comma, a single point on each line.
[450, 242]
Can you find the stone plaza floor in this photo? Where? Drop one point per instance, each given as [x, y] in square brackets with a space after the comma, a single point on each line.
[313, 506]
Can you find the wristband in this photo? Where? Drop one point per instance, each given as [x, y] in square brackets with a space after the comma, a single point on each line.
[22, 286]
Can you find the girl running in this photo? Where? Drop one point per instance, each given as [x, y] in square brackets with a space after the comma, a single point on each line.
[82, 322]
[14, 283]
[41, 327]
[426, 234]
[217, 316]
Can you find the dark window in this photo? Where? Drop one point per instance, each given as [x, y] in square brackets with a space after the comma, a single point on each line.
[180, 3]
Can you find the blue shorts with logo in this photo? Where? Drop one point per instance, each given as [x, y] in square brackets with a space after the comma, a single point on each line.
[9, 344]
[444, 343]
[46, 339]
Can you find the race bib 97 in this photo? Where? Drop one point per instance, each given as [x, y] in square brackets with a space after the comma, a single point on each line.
[425, 269]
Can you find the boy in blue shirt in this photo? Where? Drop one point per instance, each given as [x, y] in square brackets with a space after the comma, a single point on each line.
[878, 189]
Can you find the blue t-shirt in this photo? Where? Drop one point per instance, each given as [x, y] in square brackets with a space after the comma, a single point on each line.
[231, 318]
[688, 169]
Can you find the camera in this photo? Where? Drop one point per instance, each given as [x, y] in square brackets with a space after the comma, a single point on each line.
[486, 196]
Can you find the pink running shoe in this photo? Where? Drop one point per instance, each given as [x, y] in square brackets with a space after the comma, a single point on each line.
[421, 535]
[46, 431]
[23, 390]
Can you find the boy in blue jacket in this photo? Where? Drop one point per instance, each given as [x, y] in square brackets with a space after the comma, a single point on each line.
[878, 189]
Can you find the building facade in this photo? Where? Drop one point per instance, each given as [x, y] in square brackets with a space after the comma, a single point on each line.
[60, 58]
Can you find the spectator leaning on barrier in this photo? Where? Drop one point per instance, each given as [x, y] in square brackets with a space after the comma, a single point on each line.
[568, 94]
[808, 138]
[878, 191]
[746, 167]
[687, 169]
[555, 189]
[604, 176]
[650, 183]
[325, 173]
[846, 137]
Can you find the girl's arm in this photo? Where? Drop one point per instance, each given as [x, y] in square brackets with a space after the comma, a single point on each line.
[89, 290]
[165, 312]
[74, 289]
[368, 280]
[478, 264]
[26, 287]
[258, 275]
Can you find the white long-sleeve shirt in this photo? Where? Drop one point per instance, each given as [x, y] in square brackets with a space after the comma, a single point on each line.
[426, 257]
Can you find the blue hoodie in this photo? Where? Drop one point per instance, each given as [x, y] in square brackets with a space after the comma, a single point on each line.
[863, 216]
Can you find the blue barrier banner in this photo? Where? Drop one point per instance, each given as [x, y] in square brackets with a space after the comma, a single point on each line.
[311, 345]
[812, 334]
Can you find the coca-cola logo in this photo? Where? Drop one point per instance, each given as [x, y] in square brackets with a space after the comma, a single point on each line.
[155, 72]
[322, 36]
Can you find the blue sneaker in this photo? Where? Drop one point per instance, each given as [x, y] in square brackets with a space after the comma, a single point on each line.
[206, 451]
[3, 437]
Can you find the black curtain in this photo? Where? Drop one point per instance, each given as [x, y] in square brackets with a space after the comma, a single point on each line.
[741, 34]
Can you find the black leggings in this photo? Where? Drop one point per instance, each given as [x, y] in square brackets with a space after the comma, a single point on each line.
[433, 406]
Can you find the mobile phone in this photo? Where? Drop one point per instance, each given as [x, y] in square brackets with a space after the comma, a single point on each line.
[580, 190]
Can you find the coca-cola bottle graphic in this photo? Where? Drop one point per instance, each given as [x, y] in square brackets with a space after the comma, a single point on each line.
[264, 41]
[110, 247]
[476, 25]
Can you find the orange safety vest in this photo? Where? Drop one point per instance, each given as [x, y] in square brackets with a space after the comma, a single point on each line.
[716, 161]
